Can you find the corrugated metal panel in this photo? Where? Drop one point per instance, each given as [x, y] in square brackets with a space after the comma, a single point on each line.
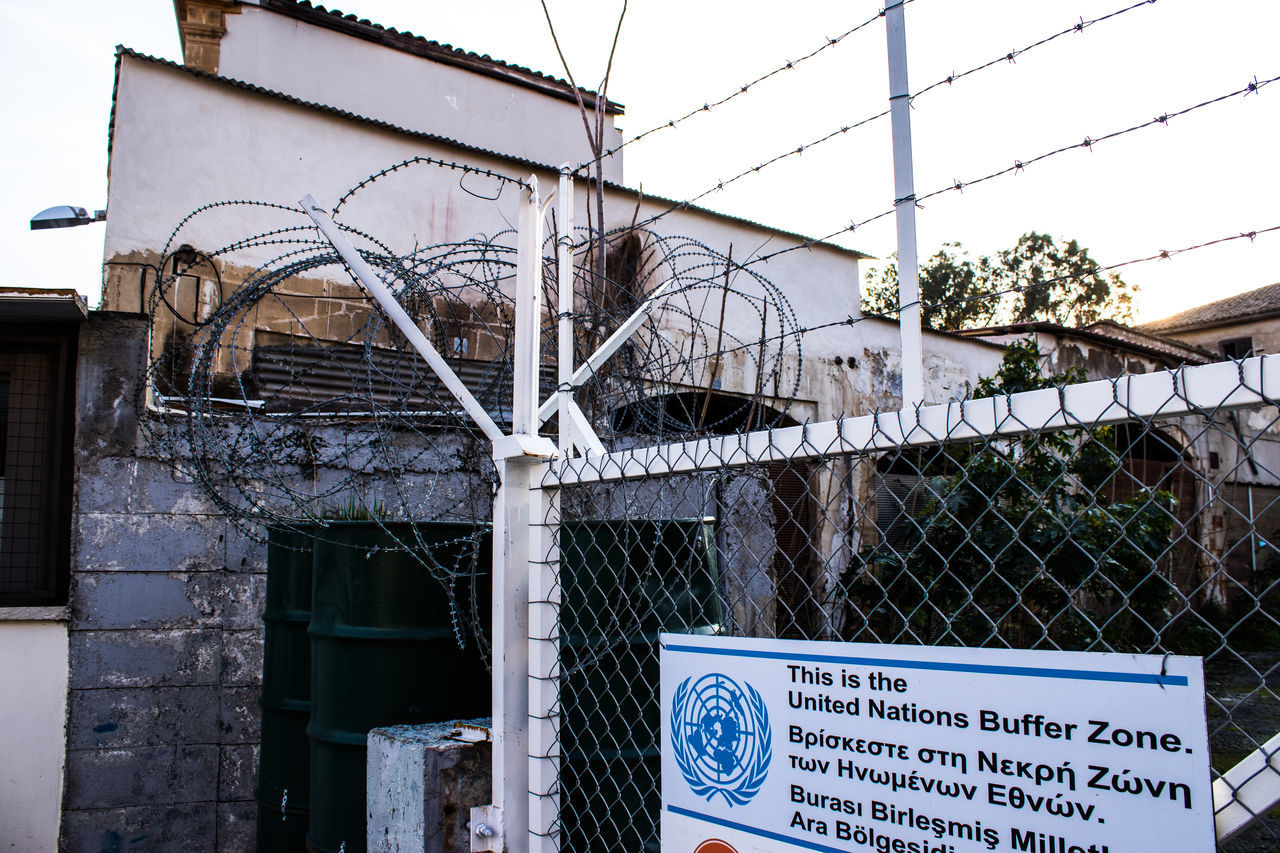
[350, 380]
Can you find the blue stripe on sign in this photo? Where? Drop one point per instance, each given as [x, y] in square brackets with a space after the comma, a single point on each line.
[752, 830]
[1026, 671]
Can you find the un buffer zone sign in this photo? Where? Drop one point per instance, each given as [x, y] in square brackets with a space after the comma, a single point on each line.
[782, 745]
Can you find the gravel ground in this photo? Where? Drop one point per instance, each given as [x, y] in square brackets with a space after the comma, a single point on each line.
[1244, 712]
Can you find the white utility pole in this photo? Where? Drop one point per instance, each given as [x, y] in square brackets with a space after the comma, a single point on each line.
[564, 286]
[905, 204]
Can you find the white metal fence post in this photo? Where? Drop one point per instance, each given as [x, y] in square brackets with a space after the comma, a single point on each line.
[905, 204]
[518, 511]
[544, 670]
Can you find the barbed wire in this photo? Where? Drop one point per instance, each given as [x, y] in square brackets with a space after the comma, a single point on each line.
[957, 185]
[1078, 27]
[433, 161]
[1009, 57]
[708, 106]
[1163, 254]
[286, 392]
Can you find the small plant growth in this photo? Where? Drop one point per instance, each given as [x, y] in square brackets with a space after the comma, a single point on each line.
[1015, 544]
[356, 509]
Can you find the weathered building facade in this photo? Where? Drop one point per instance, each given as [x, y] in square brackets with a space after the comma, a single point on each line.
[1186, 457]
[159, 620]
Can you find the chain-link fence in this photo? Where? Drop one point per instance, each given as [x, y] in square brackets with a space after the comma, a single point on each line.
[1134, 515]
[684, 493]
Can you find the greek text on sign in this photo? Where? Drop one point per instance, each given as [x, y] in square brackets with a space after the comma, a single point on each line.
[782, 745]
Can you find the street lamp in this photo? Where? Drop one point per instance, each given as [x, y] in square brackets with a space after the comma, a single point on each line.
[65, 216]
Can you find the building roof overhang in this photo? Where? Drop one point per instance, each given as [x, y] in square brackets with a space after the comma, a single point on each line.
[40, 305]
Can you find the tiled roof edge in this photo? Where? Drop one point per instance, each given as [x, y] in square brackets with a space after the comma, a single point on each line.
[1175, 347]
[363, 28]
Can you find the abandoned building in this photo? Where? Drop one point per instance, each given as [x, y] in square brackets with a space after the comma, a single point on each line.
[145, 624]
[150, 610]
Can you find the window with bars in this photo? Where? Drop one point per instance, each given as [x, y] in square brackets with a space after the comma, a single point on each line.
[35, 434]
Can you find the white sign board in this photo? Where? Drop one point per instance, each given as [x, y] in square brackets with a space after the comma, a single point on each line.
[782, 745]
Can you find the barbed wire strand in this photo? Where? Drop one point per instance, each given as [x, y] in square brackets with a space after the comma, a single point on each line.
[708, 106]
[1008, 57]
[1252, 87]
[1164, 254]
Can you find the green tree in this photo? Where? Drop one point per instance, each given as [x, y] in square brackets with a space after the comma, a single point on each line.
[1040, 278]
[1016, 544]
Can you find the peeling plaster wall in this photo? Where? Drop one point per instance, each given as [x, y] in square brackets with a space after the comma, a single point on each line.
[181, 143]
[1265, 334]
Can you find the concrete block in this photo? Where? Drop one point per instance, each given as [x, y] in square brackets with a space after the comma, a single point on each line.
[242, 657]
[244, 552]
[240, 717]
[109, 374]
[126, 599]
[138, 542]
[238, 770]
[422, 783]
[143, 716]
[137, 484]
[243, 601]
[105, 484]
[185, 828]
[151, 775]
[160, 658]
[237, 827]
[160, 488]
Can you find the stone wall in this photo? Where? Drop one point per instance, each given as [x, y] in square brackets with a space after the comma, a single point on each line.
[166, 638]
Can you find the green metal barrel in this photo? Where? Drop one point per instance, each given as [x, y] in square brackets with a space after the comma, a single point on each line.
[384, 651]
[623, 582]
[284, 756]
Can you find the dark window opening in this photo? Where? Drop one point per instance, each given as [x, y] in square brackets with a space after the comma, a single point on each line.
[4, 439]
[696, 412]
[35, 469]
[795, 560]
[350, 380]
[1236, 348]
[901, 497]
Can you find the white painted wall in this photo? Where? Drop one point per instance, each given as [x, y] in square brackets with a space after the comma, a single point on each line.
[182, 142]
[327, 67]
[33, 735]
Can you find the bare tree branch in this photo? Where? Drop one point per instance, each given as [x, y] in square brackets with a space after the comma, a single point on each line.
[577, 92]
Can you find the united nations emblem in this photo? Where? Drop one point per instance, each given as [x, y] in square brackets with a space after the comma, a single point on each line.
[720, 737]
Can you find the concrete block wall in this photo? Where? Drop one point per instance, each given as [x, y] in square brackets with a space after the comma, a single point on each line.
[166, 635]
[166, 620]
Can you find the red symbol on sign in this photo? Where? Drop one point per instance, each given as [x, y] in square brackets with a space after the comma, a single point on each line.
[715, 845]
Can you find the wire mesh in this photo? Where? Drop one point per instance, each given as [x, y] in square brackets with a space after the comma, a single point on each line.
[1127, 532]
[32, 474]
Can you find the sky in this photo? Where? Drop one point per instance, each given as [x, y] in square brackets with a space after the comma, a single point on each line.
[1210, 174]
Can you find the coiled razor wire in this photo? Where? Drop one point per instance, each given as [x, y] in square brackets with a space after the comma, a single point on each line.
[292, 402]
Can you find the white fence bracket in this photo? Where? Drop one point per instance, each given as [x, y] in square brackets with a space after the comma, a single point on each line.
[1247, 791]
